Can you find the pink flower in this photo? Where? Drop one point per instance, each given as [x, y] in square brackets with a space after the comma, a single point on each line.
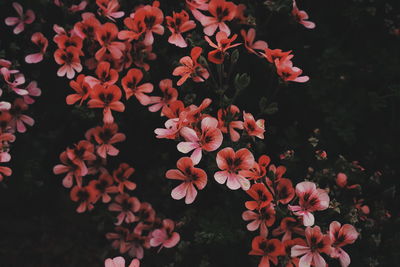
[165, 236]
[249, 43]
[178, 24]
[221, 12]
[13, 79]
[253, 127]
[170, 95]
[231, 163]
[301, 17]
[341, 236]
[33, 90]
[209, 139]
[20, 21]
[120, 262]
[310, 199]
[316, 243]
[190, 177]
[109, 9]
[42, 42]
[288, 73]
[126, 206]
[262, 218]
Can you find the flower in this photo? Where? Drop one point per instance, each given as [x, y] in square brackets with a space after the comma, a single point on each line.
[121, 176]
[42, 42]
[341, 236]
[131, 86]
[88, 27]
[82, 89]
[106, 136]
[178, 24]
[268, 249]
[261, 195]
[249, 43]
[33, 90]
[272, 54]
[103, 186]
[223, 44]
[165, 236]
[208, 139]
[85, 196]
[70, 168]
[288, 73]
[106, 35]
[69, 59]
[152, 17]
[18, 118]
[127, 206]
[301, 17]
[221, 12]
[288, 244]
[310, 199]
[4, 171]
[190, 68]
[106, 98]
[20, 21]
[231, 163]
[190, 177]
[81, 152]
[120, 262]
[105, 75]
[284, 191]
[253, 127]
[263, 218]
[288, 226]
[228, 122]
[109, 9]
[170, 95]
[316, 243]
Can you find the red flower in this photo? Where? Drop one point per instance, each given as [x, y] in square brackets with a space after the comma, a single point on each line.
[288, 244]
[106, 98]
[106, 35]
[288, 226]
[209, 139]
[121, 176]
[105, 75]
[310, 199]
[288, 73]
[190, 177]
[4, 171]
[261, 195]
[223, 44]
[231, 163]
[258, 170]
[20, 21]
[85, 196]
[127, 206]
[178, 24]
[69, 59]
[249, 43]
[228, 121]
[131, 86]
[136, 29]
[341, 236]
[284, 191]
[64, 41]
[81, 152]
[71, 170]
[42, 42]
[106, 136]
[272, 54]
[19, 119]
[88, 27]
[103, 187]
[81, 88]
[170, 95]
[269, 249]
[165, 236]
[263, 218]
[221, 12]
[109, 9]
[152, 17]
[190, 68]
[301, 17]
[253, 127]
[316, 243]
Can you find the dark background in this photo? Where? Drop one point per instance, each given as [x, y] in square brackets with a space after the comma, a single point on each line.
[352, 97]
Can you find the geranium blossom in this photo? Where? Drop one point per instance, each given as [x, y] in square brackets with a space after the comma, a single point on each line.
[231, 163]
[42, 42]
[301, 17]
[268, 249]
[106, 98]
[24, 18]
[341, 236]
[190, 177]
[190, 68]
[208, 138]
[317, 243]
[165, 236]
[310, 199]
[221, 12]
[223, 44]
[177, 24]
